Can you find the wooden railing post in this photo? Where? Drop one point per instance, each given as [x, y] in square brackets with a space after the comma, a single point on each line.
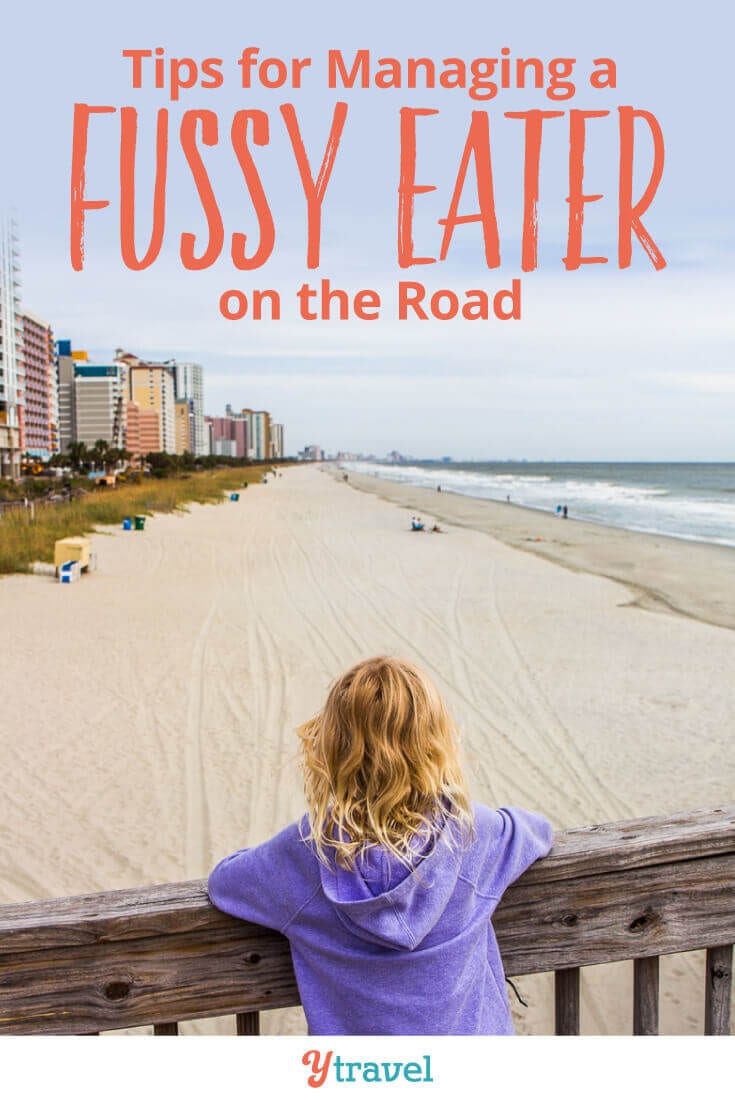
[248, 1025]
[566, 1002]
[718, 991]
[645, 997]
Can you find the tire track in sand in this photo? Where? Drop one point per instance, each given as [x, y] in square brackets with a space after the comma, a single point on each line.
[543, 717]
[527, 771]
[196, 831]
[522, 718]
[389, 628]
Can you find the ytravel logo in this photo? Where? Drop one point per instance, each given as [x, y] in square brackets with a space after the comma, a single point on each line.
[329, 1065]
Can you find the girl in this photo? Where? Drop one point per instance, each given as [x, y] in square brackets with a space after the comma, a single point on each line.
[385, 889]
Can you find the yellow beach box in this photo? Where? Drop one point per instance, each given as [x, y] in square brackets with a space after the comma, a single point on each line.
[73, 547]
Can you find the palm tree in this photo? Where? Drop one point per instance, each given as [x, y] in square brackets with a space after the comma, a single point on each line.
[98, 452]
[115, 456]
[78, 455]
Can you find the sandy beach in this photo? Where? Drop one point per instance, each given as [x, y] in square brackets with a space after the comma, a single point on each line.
[149, 711]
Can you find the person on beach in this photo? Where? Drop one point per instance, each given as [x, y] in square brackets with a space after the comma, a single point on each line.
[386, 888]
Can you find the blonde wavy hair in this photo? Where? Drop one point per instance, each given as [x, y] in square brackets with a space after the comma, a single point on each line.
[381, 765]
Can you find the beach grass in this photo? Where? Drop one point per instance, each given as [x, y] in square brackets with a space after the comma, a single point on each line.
[25, 539]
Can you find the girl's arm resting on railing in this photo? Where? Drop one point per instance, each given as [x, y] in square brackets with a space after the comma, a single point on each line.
[257, 884]
[519, 838]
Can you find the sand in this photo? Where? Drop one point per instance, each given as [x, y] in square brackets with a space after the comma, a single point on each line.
[148, 712]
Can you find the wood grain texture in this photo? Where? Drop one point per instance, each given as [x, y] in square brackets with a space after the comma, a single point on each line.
[617, 915]
[645, 997]
[566, 1002]
[636, 843]
[718, 991]
[157, 978]
[164, 954]
[248, 1025]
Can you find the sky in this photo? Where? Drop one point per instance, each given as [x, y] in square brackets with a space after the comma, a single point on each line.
[604, 363]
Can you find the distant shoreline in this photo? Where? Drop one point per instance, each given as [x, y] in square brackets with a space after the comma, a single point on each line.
[687, 577]
[585, 505]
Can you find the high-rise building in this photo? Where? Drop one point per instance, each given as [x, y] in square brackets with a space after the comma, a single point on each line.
[91, 400]
[276, 438]
[98, 404]
[249, 434]
[190, 386]
[11, 364]
[182, 424]
[41, 407]
[259, 436]
[142, 431]
[209, 434]
[65, 388]
[230, 435]
[150, 385]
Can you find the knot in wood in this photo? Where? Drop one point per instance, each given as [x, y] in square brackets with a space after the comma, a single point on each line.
[253, 958]
[641, 922]
[569, 920]
[117, 990]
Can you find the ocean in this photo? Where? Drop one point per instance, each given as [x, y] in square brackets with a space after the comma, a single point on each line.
[692, 501]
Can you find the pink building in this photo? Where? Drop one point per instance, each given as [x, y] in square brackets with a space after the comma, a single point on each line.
[142, 431]
[230, 436]
[40, 390]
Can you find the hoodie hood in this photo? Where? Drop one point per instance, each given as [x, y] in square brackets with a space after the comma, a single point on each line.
[383, 901]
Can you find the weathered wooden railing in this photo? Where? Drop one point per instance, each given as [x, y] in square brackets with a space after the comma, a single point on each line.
[623, 891]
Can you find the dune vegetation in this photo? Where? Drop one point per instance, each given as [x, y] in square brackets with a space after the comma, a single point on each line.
[28, 536]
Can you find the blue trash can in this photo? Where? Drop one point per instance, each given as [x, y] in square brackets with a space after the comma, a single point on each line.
[127, 524]
[69, 572]
[234, 497]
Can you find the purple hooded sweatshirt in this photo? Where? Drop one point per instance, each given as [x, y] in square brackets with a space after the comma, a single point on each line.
[381, 949]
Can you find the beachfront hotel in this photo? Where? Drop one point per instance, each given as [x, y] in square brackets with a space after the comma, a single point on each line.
[142, 431]
[276, 441]
[174, 392]
[11, 378]
[259, 433]
[150, 386]
[91, 400]
[40, 391]
[182, 426]
[146, 406]
[249, 434]
[229, 435]
[189, 385]
[28, 386]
